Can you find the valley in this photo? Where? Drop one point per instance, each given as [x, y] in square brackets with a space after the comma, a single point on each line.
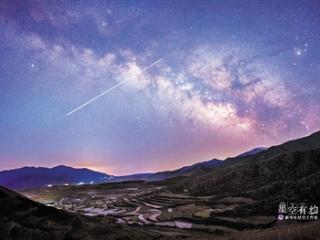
[239, 198]
[154, 208]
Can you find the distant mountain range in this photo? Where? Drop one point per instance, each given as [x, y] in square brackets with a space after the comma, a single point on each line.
[159, 176]
[29, 177]
[184, 171]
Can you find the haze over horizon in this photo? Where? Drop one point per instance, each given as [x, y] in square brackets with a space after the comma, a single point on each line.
[234, 76]
[131, 173]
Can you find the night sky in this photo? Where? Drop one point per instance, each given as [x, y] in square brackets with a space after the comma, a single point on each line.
[233, 75]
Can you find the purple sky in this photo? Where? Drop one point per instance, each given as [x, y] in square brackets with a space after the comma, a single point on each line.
[235, 75]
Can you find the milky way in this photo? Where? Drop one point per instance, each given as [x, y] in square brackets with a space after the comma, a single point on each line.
[238, 74]
[110, 89]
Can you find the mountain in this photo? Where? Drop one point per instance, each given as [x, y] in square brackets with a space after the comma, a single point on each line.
[159, 176]
[203, 167]
[24, 219]
[184, 171]
[29, 177]
[252, 151]
[132, 177]
[287, 172]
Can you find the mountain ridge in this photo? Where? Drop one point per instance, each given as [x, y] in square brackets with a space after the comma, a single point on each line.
[200, 168]
[252, 151]
[63, 169]
[27, 177]
[282, 169]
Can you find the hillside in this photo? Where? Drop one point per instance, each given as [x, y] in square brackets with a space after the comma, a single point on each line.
[290, 171]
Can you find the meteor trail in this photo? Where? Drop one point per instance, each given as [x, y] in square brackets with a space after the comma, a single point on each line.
[110, 89]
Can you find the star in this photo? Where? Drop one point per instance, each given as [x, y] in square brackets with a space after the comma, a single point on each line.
[218, 80]
[298, 52]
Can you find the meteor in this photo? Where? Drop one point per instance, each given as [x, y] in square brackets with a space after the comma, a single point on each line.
[110, 89]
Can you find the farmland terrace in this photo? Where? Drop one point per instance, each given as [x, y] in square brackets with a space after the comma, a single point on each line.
[152, 207]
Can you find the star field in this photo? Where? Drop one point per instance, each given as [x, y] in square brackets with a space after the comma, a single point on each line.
[235, 75]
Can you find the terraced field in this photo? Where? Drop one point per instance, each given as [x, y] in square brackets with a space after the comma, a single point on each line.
[152, 207]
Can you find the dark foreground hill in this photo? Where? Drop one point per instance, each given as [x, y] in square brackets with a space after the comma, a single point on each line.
[24, 219]
[29, 177]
